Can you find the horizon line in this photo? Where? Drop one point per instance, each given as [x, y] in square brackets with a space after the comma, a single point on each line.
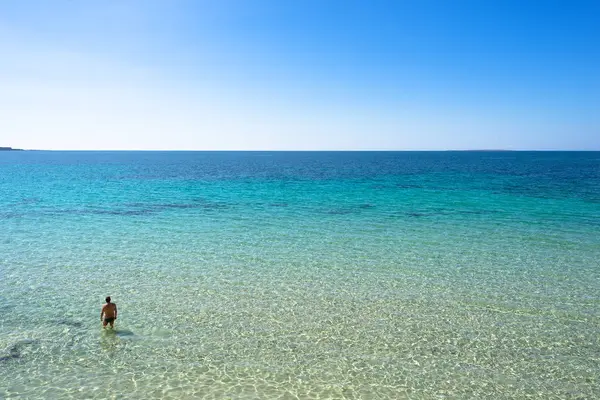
[306, 150]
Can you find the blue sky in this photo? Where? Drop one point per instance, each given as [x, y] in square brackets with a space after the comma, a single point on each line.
[300, 75]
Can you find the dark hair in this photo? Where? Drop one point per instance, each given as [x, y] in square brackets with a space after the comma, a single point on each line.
[108, 299]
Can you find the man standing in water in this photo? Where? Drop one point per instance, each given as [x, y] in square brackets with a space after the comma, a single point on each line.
[108, 313]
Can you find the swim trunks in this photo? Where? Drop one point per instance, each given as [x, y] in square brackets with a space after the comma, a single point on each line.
[109, 320]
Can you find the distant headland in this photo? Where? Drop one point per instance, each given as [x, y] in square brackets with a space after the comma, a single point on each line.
[9, 149]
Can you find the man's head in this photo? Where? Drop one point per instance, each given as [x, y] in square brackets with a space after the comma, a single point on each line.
[108, 299]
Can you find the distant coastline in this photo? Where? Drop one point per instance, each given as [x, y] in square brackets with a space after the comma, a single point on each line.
[495, 150]
[9, 149]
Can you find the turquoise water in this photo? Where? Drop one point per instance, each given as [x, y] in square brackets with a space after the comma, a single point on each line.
[300, 275]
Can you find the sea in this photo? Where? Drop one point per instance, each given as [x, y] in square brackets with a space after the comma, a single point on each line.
[300, 275]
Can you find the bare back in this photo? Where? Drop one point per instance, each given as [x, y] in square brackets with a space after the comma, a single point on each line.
[109, 310]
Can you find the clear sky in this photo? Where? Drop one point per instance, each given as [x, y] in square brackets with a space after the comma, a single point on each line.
[300, 75]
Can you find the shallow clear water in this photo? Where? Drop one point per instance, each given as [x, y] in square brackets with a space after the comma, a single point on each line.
[308, 275]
